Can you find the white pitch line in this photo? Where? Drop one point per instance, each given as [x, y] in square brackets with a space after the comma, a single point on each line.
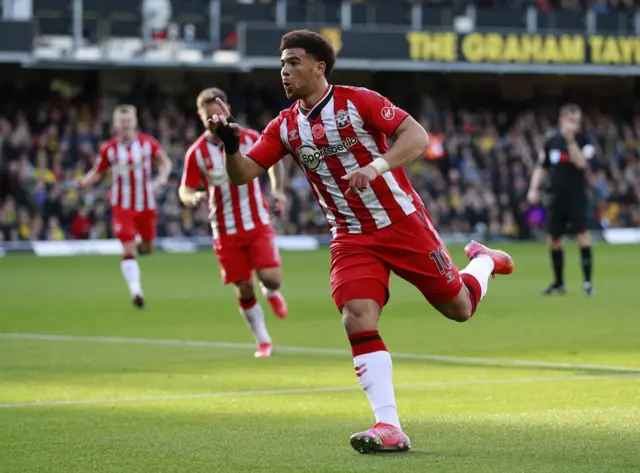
[324, 351]
[274, 392]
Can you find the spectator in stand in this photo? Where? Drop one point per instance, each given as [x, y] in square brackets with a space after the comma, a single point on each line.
[80, 225]
[473, 177]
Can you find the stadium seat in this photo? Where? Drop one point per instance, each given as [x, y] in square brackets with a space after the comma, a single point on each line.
[433, 16]
[194, 13]
[569, 21]
[492, 18]
[53, 17]
[393, 12]
[610, 23]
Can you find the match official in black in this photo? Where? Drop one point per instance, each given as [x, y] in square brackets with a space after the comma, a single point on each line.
[565, 158]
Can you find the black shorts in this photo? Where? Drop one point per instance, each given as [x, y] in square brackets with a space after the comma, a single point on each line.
[566, 218]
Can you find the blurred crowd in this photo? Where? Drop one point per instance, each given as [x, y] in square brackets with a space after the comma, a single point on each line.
[474, 177]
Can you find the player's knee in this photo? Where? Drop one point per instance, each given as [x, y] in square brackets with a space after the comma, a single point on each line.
[360, 315]
[583, 239]
[271, 278]
[145, 247]
[245, 290]
[129, 250]
[460, 315]
[458, 310]
[555, 243]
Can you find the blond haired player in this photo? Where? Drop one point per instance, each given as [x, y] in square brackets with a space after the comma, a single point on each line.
[243, 238]
[131, 156]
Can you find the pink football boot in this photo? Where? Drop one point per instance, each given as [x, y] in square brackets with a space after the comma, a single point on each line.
[502, 262]
[381, 438]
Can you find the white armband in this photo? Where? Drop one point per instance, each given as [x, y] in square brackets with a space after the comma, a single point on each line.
[381, 165]
[588, 151]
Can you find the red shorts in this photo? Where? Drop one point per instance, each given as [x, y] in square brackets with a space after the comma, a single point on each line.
[240, 254]
[411, 248]
[126, 223]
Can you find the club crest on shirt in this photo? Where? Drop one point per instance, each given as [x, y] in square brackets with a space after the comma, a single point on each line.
[343, 119]
[293, 135]
[388, 113]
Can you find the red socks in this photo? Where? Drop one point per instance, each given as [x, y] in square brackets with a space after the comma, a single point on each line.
[248, 304]
[366, 342]
[475, 290]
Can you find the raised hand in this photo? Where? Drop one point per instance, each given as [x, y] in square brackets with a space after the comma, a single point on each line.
[224, 124]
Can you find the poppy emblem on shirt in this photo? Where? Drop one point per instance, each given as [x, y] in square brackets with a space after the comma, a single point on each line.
[317, 130]
[343, 119]
[388, 113]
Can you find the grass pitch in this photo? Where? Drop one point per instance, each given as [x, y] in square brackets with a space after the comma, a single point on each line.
[111, 390]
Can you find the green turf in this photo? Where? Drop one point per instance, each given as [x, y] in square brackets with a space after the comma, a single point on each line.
[461, 416]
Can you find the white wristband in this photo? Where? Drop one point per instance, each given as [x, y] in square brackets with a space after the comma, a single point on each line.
[381, 165]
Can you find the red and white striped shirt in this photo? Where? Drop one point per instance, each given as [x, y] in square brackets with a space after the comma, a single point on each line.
[346, 130]
[234, 209]
[131, 166]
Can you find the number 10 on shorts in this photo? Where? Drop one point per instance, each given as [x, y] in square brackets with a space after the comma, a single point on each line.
[443, 262]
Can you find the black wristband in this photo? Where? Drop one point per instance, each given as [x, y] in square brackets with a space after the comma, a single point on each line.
[228, 137]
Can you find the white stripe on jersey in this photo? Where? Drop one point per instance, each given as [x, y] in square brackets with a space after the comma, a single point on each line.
[329, 214]
[350, 163]
[137, 154]
[368, 142]
[225, 190]
[284, 134]
[213, 204]
[328, 181]
[151, 198]
[111, 155]
[245, 207]
[262, 210]
[123, 160]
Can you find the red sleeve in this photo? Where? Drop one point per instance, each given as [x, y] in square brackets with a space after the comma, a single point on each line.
[378, 112]
[269, 149]
[103, 163]
[191, 176]
[156, 149]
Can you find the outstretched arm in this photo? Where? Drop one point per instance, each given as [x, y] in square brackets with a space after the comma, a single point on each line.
[276, 176]
[241, 169]
[191, 197]
[90, 178]
[537, 178]
[98, 170]
[164, 168]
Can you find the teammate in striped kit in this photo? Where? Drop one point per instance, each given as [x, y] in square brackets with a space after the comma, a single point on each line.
[242, 234]
[131, 156]
[378, 221]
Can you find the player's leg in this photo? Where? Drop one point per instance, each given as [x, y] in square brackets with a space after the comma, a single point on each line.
[579, 225]
[556, 227]
[484, 263]
[123, 227]
[359, 283]
[265, 258]
[146, 223]
[414, 251]
[235, 267]
[253, 315]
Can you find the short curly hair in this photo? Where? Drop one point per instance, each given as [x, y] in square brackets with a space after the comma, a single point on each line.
[314, 44]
